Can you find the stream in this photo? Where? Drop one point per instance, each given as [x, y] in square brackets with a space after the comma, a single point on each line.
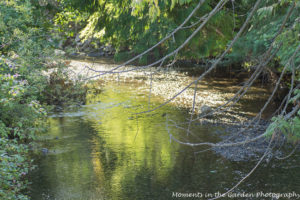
[104, 150]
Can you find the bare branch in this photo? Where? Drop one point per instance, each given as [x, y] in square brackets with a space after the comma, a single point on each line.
[290, 154]
[193, 108]
[293, 112]
[217, 61]
[253, 169]
[258, 70]
[219, 144]
[255, 118]
[291, 89]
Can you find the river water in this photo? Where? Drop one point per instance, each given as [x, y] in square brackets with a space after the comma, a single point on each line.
[104, 150]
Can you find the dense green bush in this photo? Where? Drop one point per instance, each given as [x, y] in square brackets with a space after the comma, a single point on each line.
[14, 165]
[21, 117]
[18, 103]
[26, 48]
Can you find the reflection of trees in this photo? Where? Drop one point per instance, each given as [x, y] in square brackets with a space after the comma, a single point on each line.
[145, 168]
[66, 170]
[142, 162]
[104, 159]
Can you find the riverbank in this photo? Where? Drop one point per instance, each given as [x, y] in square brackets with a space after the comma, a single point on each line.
[166, 83]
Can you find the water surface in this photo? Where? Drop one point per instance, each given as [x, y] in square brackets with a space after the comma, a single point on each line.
[103, 150]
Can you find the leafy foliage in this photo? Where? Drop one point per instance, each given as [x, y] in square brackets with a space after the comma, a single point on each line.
[290, 128]
[263, 29]
[14, 165]
[25, 45]
[21, 118]
[133, 26]
[18, 104]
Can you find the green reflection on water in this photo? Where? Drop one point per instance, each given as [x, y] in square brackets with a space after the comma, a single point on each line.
[108, 150]
[104, 151]
[128, 147]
